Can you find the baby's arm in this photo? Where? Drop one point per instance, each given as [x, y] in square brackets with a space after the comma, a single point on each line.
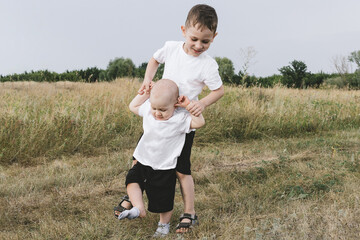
[150, 72]
[137, 102]
[196, 121]
[197, 107]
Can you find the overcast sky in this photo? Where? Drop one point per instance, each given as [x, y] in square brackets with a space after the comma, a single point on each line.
[77, 34]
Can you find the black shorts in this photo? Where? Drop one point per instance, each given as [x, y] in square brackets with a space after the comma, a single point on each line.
[159, 186]
[183, 164]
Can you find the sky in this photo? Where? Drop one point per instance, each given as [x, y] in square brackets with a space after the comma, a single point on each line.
[77, 34]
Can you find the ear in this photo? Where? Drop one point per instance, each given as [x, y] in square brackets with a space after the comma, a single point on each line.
[215, 34]
[178, 102]
[183, 29]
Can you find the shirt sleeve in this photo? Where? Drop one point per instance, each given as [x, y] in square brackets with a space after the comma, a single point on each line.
[160, 54]
[144, 108]
[185, 122]
[212, 77]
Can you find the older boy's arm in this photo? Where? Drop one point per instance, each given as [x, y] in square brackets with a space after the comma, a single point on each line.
[137, 102]
[213, 96]
[150, 72]
[197, 107]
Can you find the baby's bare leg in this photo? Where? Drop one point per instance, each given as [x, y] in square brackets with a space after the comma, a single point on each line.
[164, 224]
[136, 199]
[165, 217]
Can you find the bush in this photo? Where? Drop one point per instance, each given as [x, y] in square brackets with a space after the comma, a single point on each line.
[353, 80]
[268, 82]
[337, 82]
[90, 74]
[315, 80]
[120, 67]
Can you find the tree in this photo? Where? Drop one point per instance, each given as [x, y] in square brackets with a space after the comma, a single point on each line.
[226, 69]
[294, 75]
[140, 71]
[341, 65]
[90, 74]
[120, 67]
[159, 72]
[355, 58]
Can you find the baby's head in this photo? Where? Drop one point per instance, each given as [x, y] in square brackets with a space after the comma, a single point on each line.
[202, 16]
[200, 29]
[163, 97]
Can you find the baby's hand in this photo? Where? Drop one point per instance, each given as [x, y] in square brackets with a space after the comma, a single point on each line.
[145, 87]
[195, 108]
[183, 101]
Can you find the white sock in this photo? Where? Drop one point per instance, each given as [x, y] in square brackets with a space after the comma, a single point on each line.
[162, 230]
[130, 214]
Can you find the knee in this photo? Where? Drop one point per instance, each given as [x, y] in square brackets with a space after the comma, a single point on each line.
[182, 176]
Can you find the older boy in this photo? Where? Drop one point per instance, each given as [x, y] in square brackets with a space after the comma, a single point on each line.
[188, 64]
[157, 151]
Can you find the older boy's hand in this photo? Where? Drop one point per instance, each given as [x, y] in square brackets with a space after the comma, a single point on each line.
[196, 108]
[145, 87]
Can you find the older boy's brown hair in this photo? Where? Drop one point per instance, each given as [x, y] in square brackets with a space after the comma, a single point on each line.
[204, 15]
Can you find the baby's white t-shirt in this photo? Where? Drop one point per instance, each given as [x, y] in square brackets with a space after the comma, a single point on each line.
[162, 141]
[190, 73]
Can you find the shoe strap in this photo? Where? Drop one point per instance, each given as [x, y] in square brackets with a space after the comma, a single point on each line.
[189, 216]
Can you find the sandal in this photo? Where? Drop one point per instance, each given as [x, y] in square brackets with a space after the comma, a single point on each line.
[188, 225]
[120, 208]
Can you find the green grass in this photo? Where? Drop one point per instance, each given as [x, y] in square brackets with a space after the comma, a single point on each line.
[269, 164]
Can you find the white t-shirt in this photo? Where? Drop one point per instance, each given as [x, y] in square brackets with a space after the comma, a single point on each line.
[162, 141]
[190, 73]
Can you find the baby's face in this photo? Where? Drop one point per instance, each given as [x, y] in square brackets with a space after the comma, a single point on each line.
[161, 110]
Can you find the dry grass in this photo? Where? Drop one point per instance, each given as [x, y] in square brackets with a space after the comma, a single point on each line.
[255, 176]
[294, 188]
[55, 119]
[257, 112]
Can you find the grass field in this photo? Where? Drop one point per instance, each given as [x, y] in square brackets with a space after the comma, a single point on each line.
[269, 164]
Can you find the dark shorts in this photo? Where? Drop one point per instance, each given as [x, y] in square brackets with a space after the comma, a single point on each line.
[159, 186]
[183, 162]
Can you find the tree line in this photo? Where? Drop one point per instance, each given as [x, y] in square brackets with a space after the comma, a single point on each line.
[294, 75]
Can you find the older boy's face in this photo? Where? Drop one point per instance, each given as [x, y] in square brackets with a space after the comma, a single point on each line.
[197, 40]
